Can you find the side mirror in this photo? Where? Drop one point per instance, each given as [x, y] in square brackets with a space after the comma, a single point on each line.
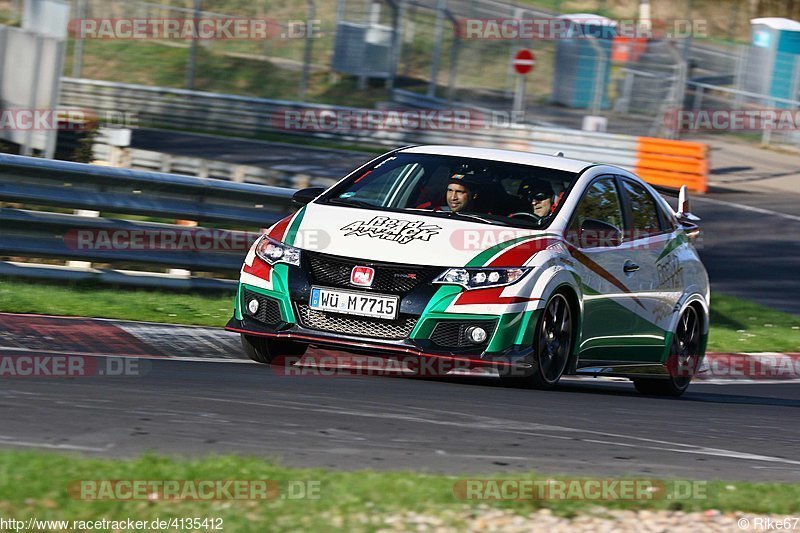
[685, 217]
[307, 195]
[684, 210]
[596, 233]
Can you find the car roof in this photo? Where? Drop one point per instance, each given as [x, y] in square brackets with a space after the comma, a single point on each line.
[507, 156]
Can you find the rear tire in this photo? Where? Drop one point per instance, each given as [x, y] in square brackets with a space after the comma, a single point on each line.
[684, 357]
[268, 351]
[552, 347]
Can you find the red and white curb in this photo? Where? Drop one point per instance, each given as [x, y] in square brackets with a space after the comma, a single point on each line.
[53, 335]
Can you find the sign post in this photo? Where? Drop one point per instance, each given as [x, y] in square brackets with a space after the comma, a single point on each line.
[523, 64]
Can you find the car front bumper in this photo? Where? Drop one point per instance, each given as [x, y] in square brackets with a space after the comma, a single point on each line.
[515, 357]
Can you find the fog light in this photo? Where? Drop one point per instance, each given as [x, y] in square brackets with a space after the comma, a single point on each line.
[476, 334]
[252, 306]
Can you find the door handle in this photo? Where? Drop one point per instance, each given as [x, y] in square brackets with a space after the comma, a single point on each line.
[629, 267]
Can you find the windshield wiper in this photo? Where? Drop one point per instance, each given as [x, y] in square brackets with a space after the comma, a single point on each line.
[357, 203]
[450, 214]
[474, 217]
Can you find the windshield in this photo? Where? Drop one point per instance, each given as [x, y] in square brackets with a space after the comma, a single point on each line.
[477, 189]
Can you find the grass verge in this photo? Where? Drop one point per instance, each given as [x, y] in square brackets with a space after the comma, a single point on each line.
[739, 325]
[736, 325]
[81, 299]
[358, 500]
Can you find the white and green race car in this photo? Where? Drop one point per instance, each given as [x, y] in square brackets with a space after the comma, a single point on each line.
[534, 265]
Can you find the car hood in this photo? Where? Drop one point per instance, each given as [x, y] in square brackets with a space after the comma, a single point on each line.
[407, 238]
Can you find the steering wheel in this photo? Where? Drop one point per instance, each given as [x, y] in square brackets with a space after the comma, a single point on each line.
[532, 217]
[526, 214]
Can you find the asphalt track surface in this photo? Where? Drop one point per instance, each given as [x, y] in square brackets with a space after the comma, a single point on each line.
[457, 425]
[751, 254]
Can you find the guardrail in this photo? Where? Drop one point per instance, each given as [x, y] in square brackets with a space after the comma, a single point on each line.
[682, 163]
[148, 160]
[146, 244]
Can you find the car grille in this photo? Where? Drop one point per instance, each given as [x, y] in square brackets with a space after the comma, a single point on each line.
[357, 326]
[453, 334]
[391, 278]
[269, 310]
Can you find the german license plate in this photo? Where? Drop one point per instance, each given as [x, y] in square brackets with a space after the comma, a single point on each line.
[354, 303]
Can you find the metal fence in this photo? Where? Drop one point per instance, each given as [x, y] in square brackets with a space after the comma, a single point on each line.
[437, 59]
[743, 79]
[300, 37]
[199, 111]
[143, 241]
[416, 45]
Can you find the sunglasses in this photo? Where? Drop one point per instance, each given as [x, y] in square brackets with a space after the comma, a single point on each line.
[539, 196]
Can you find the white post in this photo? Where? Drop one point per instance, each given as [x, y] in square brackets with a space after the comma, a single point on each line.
[83, 213]
[438, 30]
[519, 100]
[766, 133]
[599, 77]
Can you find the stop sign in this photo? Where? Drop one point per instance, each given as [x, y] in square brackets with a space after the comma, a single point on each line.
[524, 61]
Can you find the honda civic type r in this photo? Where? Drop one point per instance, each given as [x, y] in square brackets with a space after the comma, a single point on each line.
[534, 265]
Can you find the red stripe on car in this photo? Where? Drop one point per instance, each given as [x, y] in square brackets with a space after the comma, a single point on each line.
[491, 295]
[279, 229]
[520, 253]
[260, 269]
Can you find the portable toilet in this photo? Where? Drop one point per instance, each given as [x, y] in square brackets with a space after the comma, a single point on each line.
[772, 57]
[583, 60]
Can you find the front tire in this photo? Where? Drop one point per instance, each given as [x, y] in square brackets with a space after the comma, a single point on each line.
[268, 351]
[552, 346]
[684, 358]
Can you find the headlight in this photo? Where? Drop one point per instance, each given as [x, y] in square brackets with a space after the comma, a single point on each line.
[479, 278]
[274, 252]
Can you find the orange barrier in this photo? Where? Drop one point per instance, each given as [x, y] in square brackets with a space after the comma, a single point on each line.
[624, 49]
[673, 163]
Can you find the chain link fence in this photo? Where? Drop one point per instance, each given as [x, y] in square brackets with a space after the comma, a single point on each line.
[437, 59]
[336, 51]
[300, 37]
[761, 93]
